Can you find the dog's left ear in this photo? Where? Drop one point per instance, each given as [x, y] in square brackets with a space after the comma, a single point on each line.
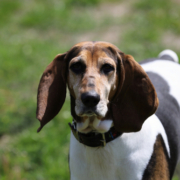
[136, 99]
[51, 90]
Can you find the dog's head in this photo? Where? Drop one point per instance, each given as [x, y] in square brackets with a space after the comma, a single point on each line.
[106, 87]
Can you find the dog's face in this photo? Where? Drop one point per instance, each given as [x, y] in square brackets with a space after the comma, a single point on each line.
[106, 86]
[92, 81]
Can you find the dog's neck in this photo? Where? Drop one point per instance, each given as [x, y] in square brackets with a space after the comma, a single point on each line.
[94, 139]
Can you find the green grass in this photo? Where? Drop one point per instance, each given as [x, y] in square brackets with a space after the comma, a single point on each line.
[31, 34]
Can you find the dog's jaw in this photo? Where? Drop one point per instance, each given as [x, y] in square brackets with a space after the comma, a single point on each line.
[92, 118]
[92, 124]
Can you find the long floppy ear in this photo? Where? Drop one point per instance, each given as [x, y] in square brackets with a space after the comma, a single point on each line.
[137, 98]
[51, 90]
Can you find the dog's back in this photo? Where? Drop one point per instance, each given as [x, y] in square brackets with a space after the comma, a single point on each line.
[164, 73]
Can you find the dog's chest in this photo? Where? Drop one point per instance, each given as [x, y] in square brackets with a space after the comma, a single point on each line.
[124, 158]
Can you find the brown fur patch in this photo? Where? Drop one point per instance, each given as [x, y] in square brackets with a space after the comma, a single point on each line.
[157, 168]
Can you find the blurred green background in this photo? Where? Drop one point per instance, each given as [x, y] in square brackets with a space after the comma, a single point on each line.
[32, 32]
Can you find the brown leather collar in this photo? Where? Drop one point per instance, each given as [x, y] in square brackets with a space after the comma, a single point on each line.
[94, 139]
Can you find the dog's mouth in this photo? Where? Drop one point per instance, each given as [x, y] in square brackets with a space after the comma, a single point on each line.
[99, 111]
[91, 113]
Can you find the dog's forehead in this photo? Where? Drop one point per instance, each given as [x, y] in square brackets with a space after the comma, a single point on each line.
[95, 45]
[93, 49]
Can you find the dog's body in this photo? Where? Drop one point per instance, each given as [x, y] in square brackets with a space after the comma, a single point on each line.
[143, 151]
[129, 156]
[125, 158]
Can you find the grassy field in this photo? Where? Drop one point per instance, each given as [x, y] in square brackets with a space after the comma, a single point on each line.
[31, 34]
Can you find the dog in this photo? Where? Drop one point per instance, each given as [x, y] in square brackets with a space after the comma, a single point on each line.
[126, 115]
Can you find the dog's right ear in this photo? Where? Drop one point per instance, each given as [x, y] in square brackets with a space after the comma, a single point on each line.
[51, 90]
[136, 98]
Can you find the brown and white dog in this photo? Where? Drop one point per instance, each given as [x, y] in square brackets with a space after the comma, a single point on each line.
[116, 134]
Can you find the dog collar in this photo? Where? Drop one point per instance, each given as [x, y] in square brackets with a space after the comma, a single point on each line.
[94, 139]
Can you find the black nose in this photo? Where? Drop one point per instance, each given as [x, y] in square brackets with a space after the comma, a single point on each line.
[90, 99]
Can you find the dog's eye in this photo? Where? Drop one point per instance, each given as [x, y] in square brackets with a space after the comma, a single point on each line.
[106, 68]
[77, 67]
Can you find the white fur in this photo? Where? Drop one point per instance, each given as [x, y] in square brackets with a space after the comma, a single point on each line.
[170, 53]
[82, 125]
[103, 126]
[102, 108]
[125, 158]
[170, 72]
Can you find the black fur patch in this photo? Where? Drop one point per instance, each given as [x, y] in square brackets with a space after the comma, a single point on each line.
[151, 171]
[169, 114]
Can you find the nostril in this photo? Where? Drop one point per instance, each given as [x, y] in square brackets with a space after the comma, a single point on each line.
[90, 99]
